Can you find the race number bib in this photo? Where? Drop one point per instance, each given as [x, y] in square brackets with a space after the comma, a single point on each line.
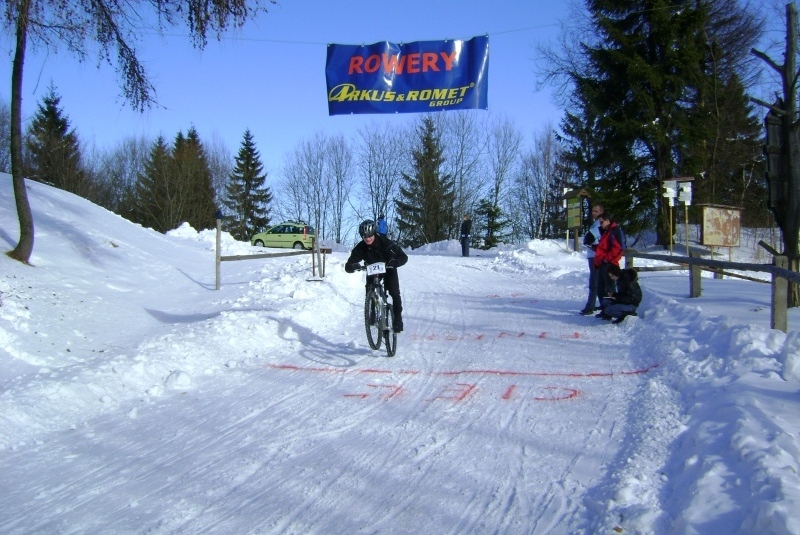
[376, 269]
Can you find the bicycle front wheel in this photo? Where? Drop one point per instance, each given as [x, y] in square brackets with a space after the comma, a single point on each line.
[389, 336]
[372, 321]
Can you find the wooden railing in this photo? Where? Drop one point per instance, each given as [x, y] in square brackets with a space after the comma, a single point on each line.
[318, 255]
[781, 276]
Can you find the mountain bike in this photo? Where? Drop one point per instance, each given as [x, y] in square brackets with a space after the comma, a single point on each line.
[378, 312]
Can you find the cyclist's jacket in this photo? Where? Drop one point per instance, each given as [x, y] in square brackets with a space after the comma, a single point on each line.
[381, 250]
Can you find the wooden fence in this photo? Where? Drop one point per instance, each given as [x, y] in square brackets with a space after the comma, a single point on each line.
[781, 276]
[317, 257]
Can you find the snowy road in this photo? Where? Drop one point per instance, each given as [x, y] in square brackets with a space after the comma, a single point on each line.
[499, 414]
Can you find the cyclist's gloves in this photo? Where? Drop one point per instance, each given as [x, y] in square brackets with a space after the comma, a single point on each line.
[392, 263]
[351, 268]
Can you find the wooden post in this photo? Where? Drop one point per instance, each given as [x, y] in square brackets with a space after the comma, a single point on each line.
[670, 229]
[778, 317]
[717, 274]
[217, 254]
[686, 214]
[695, 285]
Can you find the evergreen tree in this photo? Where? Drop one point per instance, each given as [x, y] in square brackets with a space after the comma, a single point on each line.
[155, 201]
[247, 198]
[193, 176]
[425, 208]
[53, 150]
[494, 223]
[650, 87]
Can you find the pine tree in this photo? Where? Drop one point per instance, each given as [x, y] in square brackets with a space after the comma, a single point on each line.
[193, 176]
[155, 194]
[425, 209]
[494, 223]
[247, 198]
[650, 90]
[53, 150]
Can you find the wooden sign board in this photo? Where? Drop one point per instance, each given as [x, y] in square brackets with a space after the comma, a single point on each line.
[721, 225]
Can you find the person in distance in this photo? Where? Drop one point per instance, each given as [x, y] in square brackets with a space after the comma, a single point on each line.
[372, 248]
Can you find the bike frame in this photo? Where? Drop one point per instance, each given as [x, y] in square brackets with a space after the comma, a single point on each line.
[377, 300]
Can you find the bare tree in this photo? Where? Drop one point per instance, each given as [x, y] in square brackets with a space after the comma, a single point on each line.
[5, 137]
[503, 149]
[340, 158]
[382, 155]
[304, 193]
[220, 163]
[536, 187]
[465, 143]
[115, 172]
[113, 25]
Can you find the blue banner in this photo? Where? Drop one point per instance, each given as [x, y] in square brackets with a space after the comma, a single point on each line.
[423, 76]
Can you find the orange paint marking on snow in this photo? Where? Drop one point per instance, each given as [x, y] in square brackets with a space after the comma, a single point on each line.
[573, 335]
[395, 390]
[513, 373]
[543, 335]
[570, 394]
[461, 391]
[509, 392]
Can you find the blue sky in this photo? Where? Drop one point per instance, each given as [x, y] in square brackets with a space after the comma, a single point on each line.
[270, 75]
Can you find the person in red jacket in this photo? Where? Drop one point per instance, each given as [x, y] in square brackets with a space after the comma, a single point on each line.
[608, 253]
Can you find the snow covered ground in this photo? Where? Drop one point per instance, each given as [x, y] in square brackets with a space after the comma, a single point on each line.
[135, 398]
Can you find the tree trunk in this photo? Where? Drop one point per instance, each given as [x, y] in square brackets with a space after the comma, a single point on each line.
[23, 250]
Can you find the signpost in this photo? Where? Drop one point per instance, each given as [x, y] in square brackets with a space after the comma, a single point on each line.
[680, 188]
[573, 203]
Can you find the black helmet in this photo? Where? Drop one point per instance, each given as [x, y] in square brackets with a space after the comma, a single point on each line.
[367, 228]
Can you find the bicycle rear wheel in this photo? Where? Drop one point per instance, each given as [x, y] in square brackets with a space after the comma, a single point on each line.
[372, 321]
[389, 336]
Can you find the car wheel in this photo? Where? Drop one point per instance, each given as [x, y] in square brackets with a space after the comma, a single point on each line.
[298, 245]
[259, 243]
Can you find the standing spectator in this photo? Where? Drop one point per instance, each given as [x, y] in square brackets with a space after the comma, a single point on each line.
[590, 241]
[608, 253]
[383, 226]
[627, 297]
[466, 229]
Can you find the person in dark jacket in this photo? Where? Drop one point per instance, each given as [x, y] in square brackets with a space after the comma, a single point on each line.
[466, 229]
[626, 299]
[376, 248]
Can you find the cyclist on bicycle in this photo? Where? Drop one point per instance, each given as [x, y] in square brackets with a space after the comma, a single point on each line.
[377, 248]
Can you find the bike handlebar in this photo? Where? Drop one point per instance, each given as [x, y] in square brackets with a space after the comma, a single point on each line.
[362, 267]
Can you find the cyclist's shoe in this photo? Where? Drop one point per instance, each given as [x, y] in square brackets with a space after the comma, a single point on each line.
[398, 325]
